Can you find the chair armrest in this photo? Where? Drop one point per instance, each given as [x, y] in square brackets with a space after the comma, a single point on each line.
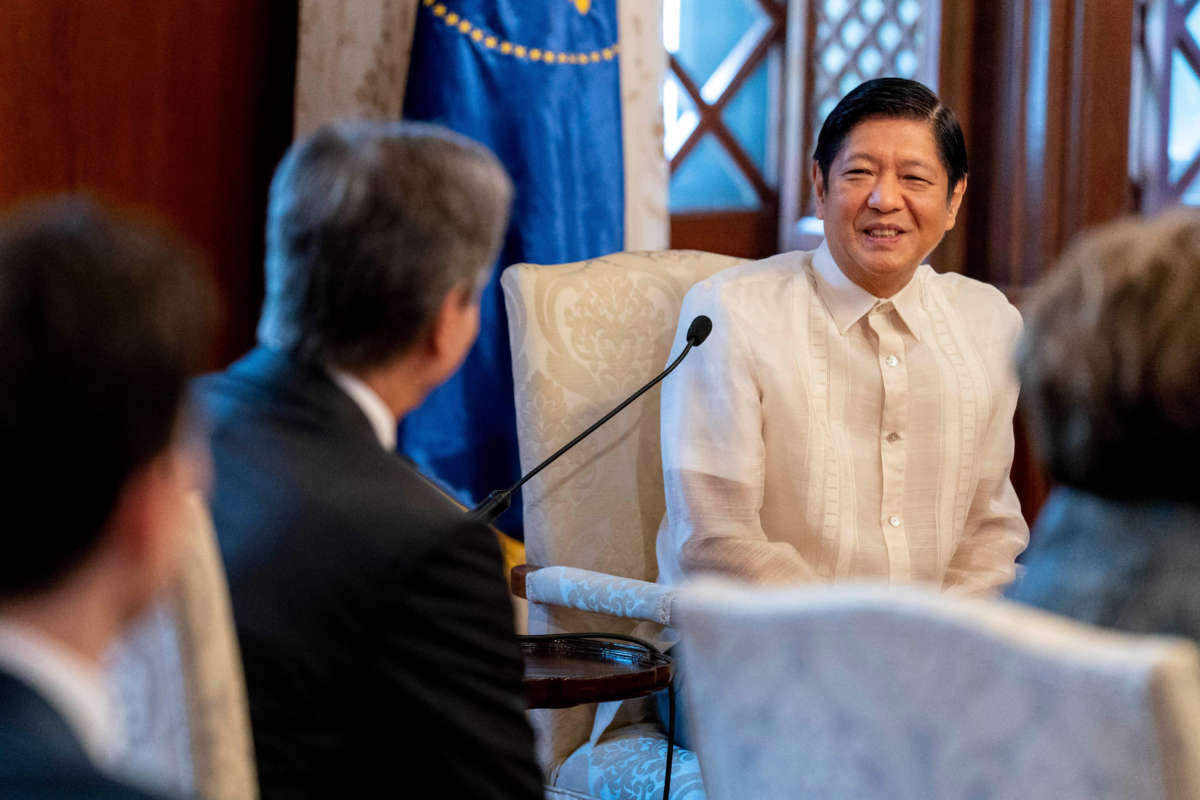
[585, 590]
[516, 578]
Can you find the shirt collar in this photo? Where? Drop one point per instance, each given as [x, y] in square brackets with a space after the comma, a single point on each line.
[74, 688]
[848, 302]
[383, 422]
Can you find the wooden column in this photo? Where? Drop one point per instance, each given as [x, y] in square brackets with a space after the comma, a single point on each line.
[1043, 89]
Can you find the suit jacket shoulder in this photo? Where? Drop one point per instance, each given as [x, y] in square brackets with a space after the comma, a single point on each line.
[1121, 564]
[40, 757]
[293, 450]
[375, 627]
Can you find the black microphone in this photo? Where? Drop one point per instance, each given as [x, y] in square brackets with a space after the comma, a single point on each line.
[498, 501]
[698, 331]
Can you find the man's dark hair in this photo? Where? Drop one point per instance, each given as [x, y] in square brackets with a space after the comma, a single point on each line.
[101, 324]
[369, 227]
[898, 98]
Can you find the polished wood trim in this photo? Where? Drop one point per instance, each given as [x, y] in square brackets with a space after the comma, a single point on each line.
[745, 234]
[766, 195]
[516, 579]
[955, 80]
[570, 669]
[689, 86]
[1047, 110]
[1096, 181]
[796, 87]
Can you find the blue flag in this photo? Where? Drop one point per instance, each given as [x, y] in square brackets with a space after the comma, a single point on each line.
[536, 81]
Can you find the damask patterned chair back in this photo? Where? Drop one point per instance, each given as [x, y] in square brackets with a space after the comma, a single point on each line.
[868, 692]
[176, 683]
[584, 336]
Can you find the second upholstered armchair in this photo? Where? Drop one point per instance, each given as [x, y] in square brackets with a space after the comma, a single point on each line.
[584, 336]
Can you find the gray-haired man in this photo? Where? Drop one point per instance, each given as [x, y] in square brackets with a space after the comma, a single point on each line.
[374, 622]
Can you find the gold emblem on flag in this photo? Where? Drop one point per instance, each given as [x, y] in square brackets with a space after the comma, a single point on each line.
[489, 40]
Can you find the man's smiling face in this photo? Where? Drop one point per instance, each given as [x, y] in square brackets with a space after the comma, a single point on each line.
[885, 204]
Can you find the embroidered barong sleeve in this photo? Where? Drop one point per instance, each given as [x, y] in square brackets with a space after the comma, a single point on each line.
[995, 531]
[713, 456]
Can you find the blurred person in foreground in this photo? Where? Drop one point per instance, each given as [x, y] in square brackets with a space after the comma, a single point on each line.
[101, 325]
[373, 616]
[1110, 362]
[850, 416]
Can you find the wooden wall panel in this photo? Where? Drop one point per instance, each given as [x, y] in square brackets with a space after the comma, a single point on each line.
[177, 107]
[1043, 89]
[744, 234]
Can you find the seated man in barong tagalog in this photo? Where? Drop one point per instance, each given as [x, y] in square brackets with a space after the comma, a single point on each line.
[850, 416]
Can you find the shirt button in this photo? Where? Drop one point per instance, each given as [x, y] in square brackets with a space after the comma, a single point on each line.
[893, 437]
[894, 521]
[891, 361]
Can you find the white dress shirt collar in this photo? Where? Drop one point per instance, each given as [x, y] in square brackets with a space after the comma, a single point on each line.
[74, 688]
[372, 405]
[848, 302]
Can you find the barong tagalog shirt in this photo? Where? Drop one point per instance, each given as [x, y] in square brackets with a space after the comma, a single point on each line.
[821, 433]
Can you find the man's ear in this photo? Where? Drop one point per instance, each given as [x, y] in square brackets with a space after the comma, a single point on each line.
[446, 331]
[452, 331]
[956, 198]
[130, 526]
[144, 531]
[818, 180]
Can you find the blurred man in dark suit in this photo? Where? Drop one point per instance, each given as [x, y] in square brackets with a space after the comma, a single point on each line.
[101, 324]
[373, 617]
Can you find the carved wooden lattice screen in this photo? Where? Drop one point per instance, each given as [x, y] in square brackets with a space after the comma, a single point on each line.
[832, 46]
[1166, 103]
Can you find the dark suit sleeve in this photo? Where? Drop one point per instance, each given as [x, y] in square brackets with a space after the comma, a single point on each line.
[451, 652]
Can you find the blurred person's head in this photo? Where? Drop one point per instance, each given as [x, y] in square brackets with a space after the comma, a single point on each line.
[889, 172]
[1110, 361]
[101, 324]
[380, 237]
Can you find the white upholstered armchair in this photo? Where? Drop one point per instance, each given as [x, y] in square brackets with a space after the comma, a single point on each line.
[865, 692]
[176, 683]
[584, 336]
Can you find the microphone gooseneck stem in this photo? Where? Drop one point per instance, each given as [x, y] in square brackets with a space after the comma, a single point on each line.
[498, 501]
[600, 421]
